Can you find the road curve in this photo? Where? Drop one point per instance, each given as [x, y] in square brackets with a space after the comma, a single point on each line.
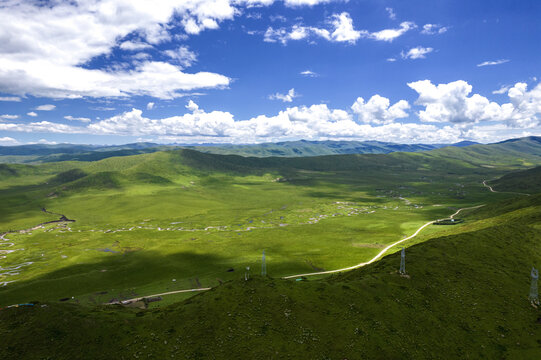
[382, 251]
[321, 272]
[166, 293]
[507, 192]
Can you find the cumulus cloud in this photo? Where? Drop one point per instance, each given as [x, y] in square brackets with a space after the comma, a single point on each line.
[451, 103]
[418, 52]
[150, 106]
[31, 113]
[491, 63]
[284, 97]
[82, 119]
[303, 122]
[192, 106]
[47, 107]
[378, 110]
[8, 141]
[70, 34]
[432, 29]
[448, 113]
[341, 29]
[391, 34]
[46, 142]
[526, 105]
[9, 117]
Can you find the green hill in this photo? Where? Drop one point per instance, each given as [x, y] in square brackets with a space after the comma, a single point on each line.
[465, 296]
[520, 181]
[180, 219]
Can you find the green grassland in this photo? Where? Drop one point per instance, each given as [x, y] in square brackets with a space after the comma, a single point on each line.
[465, 296]
[180, 219]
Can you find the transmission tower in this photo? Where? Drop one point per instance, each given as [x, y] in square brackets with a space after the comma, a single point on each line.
[403, 262]
[263, 265]
[534, 295]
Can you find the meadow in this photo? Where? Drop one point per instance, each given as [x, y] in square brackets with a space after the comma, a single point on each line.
[465, 295]
[181, 219]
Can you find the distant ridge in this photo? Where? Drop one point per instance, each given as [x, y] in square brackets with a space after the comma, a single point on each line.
[41, 153]
[303, 148]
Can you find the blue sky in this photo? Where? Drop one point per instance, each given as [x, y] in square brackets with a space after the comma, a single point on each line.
[249, 71]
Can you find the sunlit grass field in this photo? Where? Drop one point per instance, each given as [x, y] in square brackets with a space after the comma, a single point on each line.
[175, 220]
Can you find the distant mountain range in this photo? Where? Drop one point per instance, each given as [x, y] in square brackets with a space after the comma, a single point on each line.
[37, 153]
[315, 148]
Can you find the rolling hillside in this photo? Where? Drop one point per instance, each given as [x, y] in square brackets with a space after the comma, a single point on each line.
[464, 296]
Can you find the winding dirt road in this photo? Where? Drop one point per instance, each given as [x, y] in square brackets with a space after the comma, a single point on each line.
[502, 192]
[375, 258]
[382, 251]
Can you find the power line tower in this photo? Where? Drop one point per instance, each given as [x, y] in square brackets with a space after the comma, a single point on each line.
[402, 270]
[247, 273]
[534, 295]
[263, 265]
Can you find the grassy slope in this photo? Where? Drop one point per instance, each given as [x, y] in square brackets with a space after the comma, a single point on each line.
[466, 297]
[200, 190]
[520, 181]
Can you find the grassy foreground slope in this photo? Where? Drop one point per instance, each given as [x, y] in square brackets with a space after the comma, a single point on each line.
[181, 219]
[465, 296]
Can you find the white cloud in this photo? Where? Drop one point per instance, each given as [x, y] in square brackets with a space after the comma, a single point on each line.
[391, 59]
[502, 90]
[378, 110]
[32, 113]
[496, 62]
[295, 3]
[42, 48]
[82, 119]
[432, 29]
[284, 97]
[150, 106]
[451, 103]
[46, 142]
[7, 141]
[448, 113]
[47, 107]
[183, 55]
[304, 122]
[134, 45]
[418, 52]
[42, 127]
[526, 106]
[10, 98]
[309, 73]
[192, 106]
[341, 30]
[275, 18]
[9, 117]
[391, 34]
[391, 13]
